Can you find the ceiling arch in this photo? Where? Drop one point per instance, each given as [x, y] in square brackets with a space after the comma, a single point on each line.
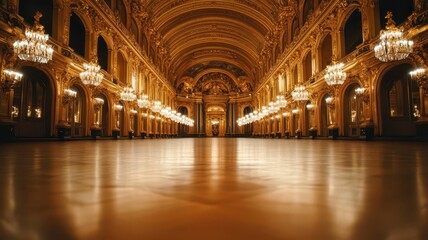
[199, 32]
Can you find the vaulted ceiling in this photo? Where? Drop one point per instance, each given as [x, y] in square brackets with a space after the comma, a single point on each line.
[212, 33]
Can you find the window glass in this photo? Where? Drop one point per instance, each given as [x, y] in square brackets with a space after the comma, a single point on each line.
[395, 99]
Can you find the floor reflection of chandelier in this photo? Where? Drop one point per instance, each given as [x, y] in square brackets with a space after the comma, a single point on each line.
[393, 46]
[34, 47]
[91, 76]
[300, 93]
[335, 76]
[128, 94]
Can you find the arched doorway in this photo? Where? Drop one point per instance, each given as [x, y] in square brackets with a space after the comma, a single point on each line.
[103, 115]
[34, 103]
[353, 111]
[215, 121]
[77, 113]
[397, 100]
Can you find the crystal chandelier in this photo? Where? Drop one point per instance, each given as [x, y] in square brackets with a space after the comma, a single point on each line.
[128, 94]
[34, 47]
[143, 101]
[91, 75]
[9, 79]
[156, 107]
[335, 76]
[281, 101]
[300, 93]
[393, 46]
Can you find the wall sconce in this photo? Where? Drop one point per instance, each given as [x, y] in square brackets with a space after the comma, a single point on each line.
[9, 79]
[419, 75]
[295, 111]
[69, 95]
[118, 107]
[310, 106]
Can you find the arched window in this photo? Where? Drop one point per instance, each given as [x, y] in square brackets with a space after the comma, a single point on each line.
[295, 75]
[400, 10]
[120, 7]
[284, 40]
[308, 8]
[108, 2]
[353, 32]
[294, 29]
[77, 35]
[28, 8]
[134, 28]
[102, 51]
[277, 52]
[307, 64]
[326, 52]
[122, 67]
[144, 43]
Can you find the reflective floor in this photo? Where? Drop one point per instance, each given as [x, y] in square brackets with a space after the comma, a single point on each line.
[214, 188]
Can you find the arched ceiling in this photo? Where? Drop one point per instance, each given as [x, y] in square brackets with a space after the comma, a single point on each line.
[213, 33]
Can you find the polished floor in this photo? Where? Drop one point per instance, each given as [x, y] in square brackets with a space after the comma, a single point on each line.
[214, 188]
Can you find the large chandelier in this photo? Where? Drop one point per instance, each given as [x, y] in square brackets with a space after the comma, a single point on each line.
[281, 102]
[143, 101]
[91, 76]
[156, 106]
[34, 47]
[128, 94]
[393, 46]
[9, 79]
[300, 93]
[335, 76]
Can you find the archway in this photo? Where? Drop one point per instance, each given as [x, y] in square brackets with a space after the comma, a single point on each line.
[103, 116]
[396, 102]
[215, 121]
[353, 111]
[33, 100]
[77, 113]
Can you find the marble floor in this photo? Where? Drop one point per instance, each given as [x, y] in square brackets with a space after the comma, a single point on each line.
[214, 188]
